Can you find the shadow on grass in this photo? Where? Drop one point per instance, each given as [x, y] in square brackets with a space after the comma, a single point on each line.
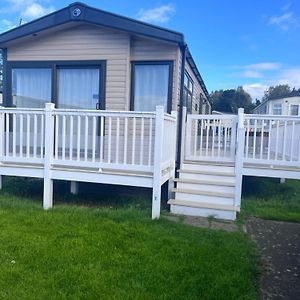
[269, 199]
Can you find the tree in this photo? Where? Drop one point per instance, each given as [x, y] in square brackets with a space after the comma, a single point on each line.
[231, 100]
[278, 91]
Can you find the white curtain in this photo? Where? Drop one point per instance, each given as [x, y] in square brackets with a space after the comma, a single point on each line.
[151, 87]
[31, 87]
[78, 88]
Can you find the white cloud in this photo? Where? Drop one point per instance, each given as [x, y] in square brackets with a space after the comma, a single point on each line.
[256, 90]
[285, 21]
[161, 14]
[36, 10]
[256, 70]
[28, 9]
[290, 76]
[264, 66]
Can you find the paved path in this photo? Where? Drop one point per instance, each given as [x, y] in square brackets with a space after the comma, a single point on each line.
[279, 246]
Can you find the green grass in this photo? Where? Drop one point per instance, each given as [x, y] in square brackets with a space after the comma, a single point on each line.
[268, 199]
[80, 252]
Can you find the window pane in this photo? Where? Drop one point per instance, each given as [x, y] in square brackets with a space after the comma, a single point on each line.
[277, 109]
[294, 110]
[151, 87]
[31, 87]
[78, 88]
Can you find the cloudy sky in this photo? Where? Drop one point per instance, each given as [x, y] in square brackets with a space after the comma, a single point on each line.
[234, 42]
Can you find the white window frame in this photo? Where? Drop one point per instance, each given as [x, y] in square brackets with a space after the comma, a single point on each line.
[278, 108]
[290, 109]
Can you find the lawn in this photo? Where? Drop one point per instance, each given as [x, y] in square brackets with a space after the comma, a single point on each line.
[268, 199]
[81, 252]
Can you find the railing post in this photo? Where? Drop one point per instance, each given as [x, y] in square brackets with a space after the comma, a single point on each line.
[48, 157]
[1, 139]
[183, 133]
[239, 157]
[188, 133]
[158, 147]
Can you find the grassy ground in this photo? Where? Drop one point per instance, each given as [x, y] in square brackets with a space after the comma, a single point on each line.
[267, 198]
[117, 252]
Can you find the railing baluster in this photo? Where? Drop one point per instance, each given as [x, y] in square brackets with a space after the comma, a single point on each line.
[254, 138]
[225, 141]
[195, 137]
[247, 137]
[125, 140]
[150, 142]
[117, 140]
[201, 137]
[71, 137]
[42, 135]
[292, 140]
[219, 139]
[34, 135]
[56, 136]
[262, 139]
[269, 139]
[78, 137]
[109, 139]
[277, 140]
[14, 131]
[64, 137]
[86, 138]
[284, 141]
[207, 137]
[27, 135]
[101, 138]
[94, 139]
[142, 142]
[21, 135]
[7, 134]
[133, 141]
[213, 138]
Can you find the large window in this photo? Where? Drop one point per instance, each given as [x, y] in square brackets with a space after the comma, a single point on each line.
[277, 109]
[294, 109]
[188, 92]
[78, 88]
[68, 84]
[31, 87]
[151, 86]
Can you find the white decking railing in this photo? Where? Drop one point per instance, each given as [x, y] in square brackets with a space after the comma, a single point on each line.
[271, 140]
[139, 143]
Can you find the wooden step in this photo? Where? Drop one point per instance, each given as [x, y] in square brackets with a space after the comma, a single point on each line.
[205, 172]
[208, 182]
[204, 193]
[203, 205]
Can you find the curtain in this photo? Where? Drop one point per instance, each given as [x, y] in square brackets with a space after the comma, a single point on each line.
[78, 88]
[151, 87]
[31, 88]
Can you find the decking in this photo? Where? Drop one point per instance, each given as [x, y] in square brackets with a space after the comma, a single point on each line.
[139, 149]
[124, 148]
[218, 150]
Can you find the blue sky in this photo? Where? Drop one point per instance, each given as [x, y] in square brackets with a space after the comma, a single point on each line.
[234, 42]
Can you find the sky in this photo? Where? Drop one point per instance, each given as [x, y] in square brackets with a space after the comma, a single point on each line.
[249, 43]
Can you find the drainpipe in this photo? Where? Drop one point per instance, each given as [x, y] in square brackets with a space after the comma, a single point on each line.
[183, 49]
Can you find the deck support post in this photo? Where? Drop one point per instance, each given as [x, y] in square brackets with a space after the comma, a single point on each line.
[158, 146]
[49, 144]
[74, 187]
[239, 157]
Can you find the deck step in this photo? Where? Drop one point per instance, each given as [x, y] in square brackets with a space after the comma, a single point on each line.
[203, 205]
[208, 182]
[203, 193]
[206, 172]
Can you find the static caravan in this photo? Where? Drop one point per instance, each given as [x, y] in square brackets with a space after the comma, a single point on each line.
[93, 96]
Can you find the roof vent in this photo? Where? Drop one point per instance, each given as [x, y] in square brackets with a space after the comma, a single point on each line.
[76, 12]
